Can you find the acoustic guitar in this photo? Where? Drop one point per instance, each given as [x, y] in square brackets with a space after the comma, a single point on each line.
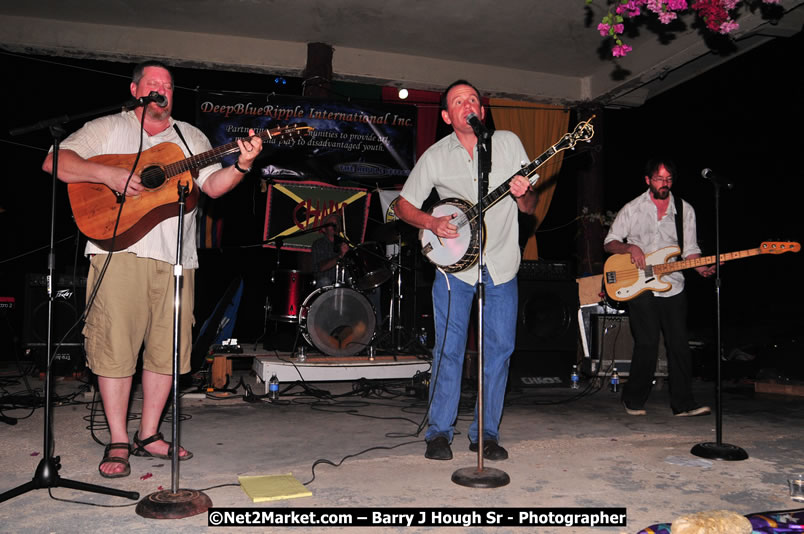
[459, 253]
[624, 281]
[162, 167]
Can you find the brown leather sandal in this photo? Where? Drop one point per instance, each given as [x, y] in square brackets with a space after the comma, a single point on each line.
[115, 460]
[140, 450]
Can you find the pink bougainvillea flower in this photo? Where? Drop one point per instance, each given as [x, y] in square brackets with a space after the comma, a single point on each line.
[620, 50]
[667, 17]
[714, 13]
[728, 27]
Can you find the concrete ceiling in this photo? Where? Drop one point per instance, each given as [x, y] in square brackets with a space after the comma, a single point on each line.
[536, 50]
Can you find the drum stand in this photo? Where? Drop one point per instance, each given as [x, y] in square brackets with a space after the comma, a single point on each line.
[395, 312]
[400, 337]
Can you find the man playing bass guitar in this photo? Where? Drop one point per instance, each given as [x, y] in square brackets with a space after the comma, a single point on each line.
[647, 223]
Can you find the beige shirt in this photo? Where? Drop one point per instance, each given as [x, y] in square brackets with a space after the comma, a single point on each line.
[448, 167]
[120, 134]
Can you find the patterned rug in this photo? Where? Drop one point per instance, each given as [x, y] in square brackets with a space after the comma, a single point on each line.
[762, 523]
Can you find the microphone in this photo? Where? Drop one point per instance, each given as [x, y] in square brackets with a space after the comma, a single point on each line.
[716, 179]
[478, 127]
[159, 99]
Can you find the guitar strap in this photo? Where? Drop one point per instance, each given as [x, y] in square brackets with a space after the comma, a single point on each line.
[193, 172]
[679, 222]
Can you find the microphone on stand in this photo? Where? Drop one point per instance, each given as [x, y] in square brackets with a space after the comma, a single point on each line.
[157, 98]
[479, 128]
[716, 179]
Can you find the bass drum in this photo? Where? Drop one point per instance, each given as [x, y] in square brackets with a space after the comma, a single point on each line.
[338, 321]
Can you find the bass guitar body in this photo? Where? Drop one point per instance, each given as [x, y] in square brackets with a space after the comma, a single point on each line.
[630, 281]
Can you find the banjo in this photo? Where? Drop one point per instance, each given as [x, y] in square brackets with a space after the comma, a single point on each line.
[454, 255]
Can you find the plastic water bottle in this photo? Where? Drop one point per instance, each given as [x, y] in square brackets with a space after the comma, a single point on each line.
[615, 381]
[423, 337]
[273, 388]
[574, 377]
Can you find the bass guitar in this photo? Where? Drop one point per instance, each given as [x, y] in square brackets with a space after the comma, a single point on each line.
[459, 253]
[624, 281]
[161, 168]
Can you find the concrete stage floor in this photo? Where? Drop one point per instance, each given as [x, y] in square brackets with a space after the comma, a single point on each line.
[567, 449]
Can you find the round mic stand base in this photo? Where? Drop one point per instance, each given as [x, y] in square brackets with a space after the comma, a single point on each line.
[166, 504]
[175, 503]
[719, 451]
[487, 477]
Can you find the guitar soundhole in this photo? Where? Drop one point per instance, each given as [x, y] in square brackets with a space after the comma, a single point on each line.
[152, 177]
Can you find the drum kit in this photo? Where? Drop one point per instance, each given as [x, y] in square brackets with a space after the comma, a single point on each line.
[340, 319]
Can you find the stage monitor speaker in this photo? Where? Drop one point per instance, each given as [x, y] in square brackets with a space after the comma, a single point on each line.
[613, 345]
[69, 294]
[547, 333]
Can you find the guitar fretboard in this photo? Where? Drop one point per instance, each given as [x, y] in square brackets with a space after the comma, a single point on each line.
[199, 161]
[703, 260]
[499, 192]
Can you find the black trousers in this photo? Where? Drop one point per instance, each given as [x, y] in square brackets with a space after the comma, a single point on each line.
[650, 315]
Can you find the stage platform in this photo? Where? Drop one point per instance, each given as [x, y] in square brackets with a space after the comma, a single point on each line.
[323, 368]
[319, 367]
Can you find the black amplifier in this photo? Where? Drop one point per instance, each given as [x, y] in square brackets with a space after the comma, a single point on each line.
[546, 270]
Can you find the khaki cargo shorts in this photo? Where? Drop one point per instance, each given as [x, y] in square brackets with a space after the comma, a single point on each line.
[134, 305]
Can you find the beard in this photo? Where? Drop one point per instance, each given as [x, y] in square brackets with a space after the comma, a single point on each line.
[660, 193]
[156, 113]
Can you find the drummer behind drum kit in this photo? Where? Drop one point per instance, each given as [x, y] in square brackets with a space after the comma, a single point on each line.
[338, 319]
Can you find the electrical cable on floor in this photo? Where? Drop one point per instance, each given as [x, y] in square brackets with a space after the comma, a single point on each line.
[348, 456]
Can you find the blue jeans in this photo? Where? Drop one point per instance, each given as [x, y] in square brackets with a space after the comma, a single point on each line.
[499, 319]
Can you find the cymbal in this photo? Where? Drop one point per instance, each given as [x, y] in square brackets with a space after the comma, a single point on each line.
[392, 231]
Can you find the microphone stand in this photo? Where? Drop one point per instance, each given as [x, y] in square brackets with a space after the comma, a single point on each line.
[718, 450]
[175, 503]
[480, 477]
[47, 472]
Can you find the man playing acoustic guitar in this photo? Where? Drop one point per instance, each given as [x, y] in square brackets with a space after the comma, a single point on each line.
[134, 304]
[643, 225]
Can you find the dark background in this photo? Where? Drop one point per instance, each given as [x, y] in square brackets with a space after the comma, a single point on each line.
[742, 119]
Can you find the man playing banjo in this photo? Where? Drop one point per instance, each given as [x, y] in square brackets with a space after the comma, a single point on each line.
[450, 165]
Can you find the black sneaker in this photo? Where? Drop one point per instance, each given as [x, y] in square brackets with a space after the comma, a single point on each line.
[491, 450]
[438, 449]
